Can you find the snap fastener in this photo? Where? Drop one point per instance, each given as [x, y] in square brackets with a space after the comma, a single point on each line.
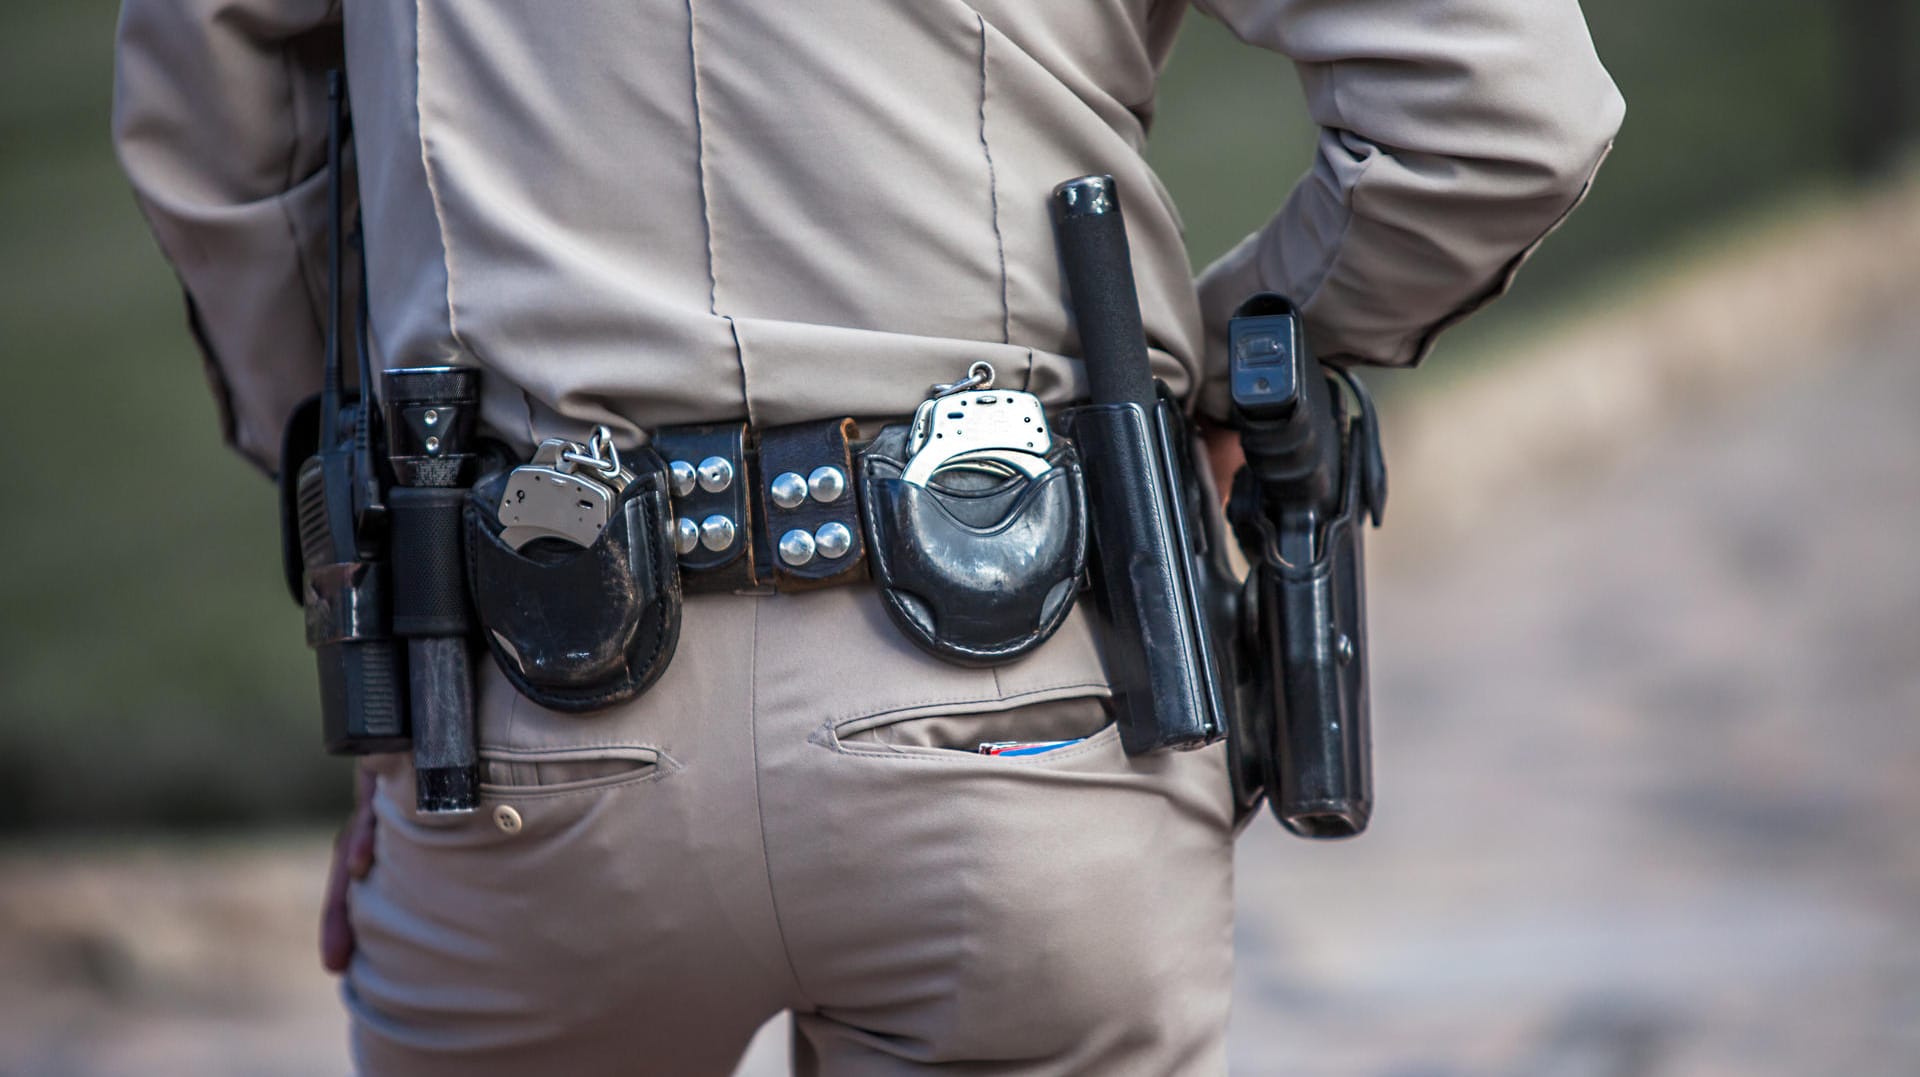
[833, 540]
[716, 533]
[796, 547]
[686, 535]
[507, 819]
[788, 489]
[827, 484]
[683, 477]
[716, 474]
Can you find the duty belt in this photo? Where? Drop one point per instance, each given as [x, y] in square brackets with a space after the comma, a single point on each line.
[765, 508]
[970, 519]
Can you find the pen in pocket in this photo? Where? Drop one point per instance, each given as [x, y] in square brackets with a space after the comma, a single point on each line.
[1024, 747]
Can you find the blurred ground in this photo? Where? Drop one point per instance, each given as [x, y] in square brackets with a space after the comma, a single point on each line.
[1648, 771]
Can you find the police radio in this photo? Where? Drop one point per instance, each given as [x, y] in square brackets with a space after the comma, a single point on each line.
[340, 517]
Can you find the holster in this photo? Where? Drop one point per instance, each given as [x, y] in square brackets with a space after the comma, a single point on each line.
[1158, 575]
[1302, 733]
[975, 568]
[577, 629]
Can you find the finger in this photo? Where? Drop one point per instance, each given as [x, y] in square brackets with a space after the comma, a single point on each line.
[1224, 458]
[359, 839]
[359, 833]
[336, 932]
[364, 784]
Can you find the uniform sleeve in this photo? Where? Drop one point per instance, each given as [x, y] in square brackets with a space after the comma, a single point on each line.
[1454, 137]
[220, 120]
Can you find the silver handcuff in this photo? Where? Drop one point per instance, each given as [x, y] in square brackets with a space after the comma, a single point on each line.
[968, 424]
[567, 491]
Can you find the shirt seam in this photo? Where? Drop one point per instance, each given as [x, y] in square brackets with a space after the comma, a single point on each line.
[760, 805]
[284, 199]
[993, 192]
[426, 168]
[706, 210]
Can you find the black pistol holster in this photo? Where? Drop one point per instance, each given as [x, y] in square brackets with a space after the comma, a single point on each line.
[1314, 475]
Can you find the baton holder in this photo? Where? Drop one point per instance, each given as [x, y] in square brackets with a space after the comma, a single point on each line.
[1152, 555]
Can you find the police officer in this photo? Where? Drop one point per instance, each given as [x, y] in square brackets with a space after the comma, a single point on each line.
[641, 213]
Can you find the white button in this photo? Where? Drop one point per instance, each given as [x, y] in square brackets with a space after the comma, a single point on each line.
[507, 819]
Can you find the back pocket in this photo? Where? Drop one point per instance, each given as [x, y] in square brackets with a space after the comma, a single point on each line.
[1073, 718]
[522, 772]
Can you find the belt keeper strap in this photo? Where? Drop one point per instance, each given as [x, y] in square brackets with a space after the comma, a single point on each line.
[429, 574]
[815, 538]
[728, 505]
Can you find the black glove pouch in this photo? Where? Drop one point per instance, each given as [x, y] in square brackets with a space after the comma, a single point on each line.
[577, 629]
[975, 568]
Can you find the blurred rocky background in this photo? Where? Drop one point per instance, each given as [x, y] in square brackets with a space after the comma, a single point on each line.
[1646, 611]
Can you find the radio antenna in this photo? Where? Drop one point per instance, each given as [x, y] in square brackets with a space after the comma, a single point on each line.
[330, 384]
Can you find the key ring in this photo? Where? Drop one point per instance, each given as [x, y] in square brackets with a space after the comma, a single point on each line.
[979, 376]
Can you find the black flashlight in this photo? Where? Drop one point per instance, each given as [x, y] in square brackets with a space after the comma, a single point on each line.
[430, 413]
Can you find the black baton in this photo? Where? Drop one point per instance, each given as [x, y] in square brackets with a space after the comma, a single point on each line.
[1168, 685]
[1106, 308]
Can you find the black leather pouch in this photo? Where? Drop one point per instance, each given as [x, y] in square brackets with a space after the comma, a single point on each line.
[577, 629]
[974, 567]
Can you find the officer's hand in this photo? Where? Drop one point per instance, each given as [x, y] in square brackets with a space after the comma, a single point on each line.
[352, 859]
[1224, 457]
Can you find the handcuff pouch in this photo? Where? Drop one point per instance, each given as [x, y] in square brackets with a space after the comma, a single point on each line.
[580, 628]
[974, 567]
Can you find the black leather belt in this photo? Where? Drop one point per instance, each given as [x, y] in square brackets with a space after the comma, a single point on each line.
[977, 562]
[765, 508]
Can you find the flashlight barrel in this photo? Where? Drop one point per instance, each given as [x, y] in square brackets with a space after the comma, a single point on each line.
[430, 415]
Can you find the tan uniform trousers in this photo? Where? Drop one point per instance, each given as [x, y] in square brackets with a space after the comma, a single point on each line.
[796, 818]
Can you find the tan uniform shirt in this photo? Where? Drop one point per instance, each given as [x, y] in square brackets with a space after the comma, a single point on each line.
[644, 212]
